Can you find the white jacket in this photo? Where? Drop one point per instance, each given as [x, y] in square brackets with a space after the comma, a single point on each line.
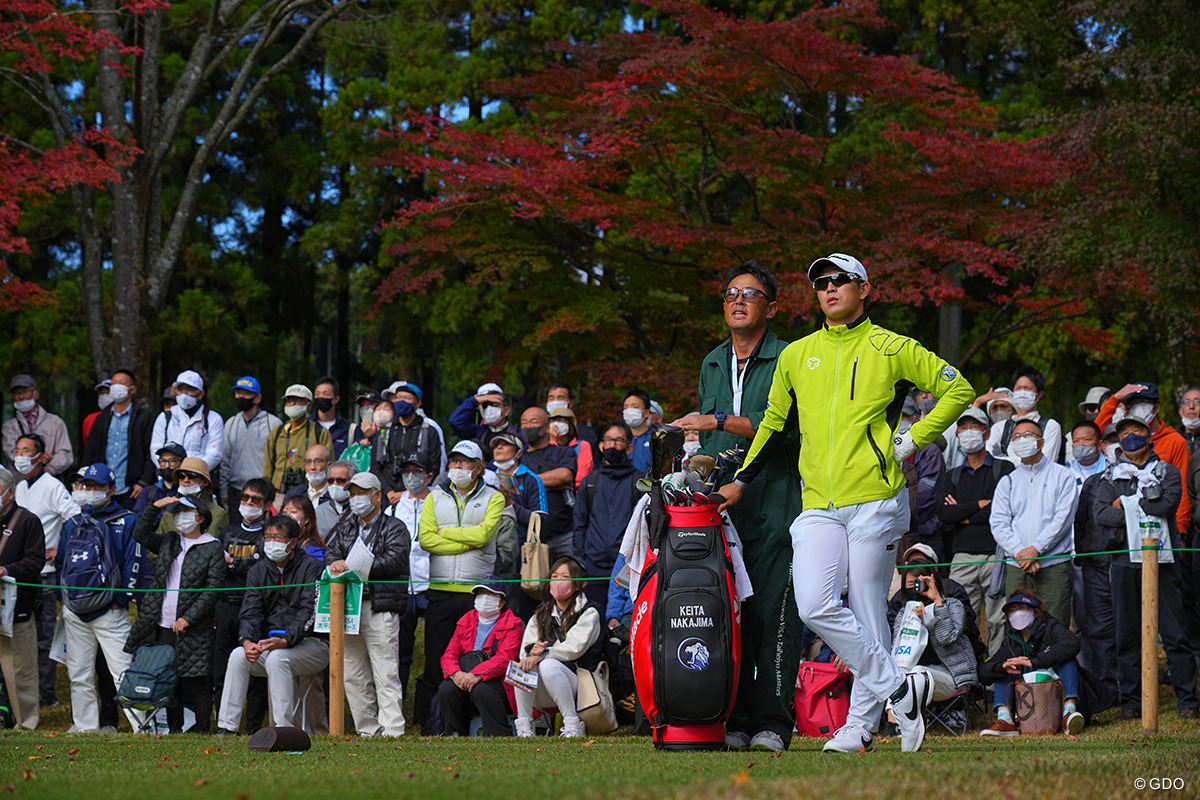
[1035, 506]
[202, 435]
[52, 503]
[579, 639]
[408, 510]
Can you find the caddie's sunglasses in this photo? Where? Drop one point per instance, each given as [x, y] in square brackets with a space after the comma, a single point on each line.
[748, 293]
[838, 279]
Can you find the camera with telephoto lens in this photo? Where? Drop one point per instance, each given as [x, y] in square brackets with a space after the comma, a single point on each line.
[292, 478]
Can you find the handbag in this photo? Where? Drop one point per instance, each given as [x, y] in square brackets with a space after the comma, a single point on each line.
[535, 560]
[594, 702]
[822, 699]
[912, 639]
[1039, 707]
[473, 658]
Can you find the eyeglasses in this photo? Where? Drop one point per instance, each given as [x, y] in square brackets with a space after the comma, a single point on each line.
[618, 440]
[1027, 435]
[253, 499]
[490, 404]
[747, 293]
[339, 481]
[1195, 401]
[838, 279]
[170, 463]
[315, 462]
[415, 471]
[188, 476]
[275, 537]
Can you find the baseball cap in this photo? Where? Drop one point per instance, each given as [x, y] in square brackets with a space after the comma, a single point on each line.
[104, 384]
[366, 480]
[99, 473]
[299, 390]
[1150, 393]
[189, 377]
[1094, 396]
[23, 381]
[391, 389]
[1133, 418]
[469, 449]
[490, 584]
[923, 549]
[248, 383]
[172, 448]
[1020, 600]
[975, 414]
[1006, 397]
[367, 396]
[405, 386]
[489, 388]
[511, 438]
[839, 261]
[419, 460]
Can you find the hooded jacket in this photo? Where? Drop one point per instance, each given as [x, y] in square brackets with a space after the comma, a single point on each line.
[602, 510]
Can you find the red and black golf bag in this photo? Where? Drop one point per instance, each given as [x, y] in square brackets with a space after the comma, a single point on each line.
[686, 638]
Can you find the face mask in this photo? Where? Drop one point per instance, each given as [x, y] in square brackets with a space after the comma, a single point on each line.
[25, 406]
[361, 505]
[338, 494]
[1024, 400]
[691, 448]
[560, 428]
[633, 417]
[1023, 448]
[384, 419]
[79, 497]
[1084, 452]
[1021, 619]
[185, 401]
[1191, 424]
[561, 590]
[462, 478]
[324, 404]
[24, 464]
[1118, 415]
[186, 522]
[315, 478]
[95, 497]
[1143, 410]
[403, 408]
[491, 415]
[276, 551]
[555, 405]
[295, 412]
[614, 456]
[971, 441]
[190, 491]
[119, 392]
[251, 513]
[1000, 415]
[926, 404]
[1132, 442]
[533, 435]
[1111, 451]
[487, 605]
[104, 401]
[509, 464]
[167, 474]
[244, 403]
[1091, 416]
[415, 483]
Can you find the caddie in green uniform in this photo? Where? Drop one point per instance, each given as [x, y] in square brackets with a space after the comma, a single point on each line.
[734, 381]
[843, 387]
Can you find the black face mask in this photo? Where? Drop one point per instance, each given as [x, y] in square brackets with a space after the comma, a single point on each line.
[244, 403]
[324, 403]
[533, 435]
[614, 456]
[167, 474]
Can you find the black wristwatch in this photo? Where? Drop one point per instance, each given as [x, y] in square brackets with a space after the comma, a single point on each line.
[720, 415]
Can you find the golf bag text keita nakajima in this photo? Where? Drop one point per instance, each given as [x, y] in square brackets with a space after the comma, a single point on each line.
[686, 633]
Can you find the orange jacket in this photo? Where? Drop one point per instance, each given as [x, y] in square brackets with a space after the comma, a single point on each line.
[1169, 445]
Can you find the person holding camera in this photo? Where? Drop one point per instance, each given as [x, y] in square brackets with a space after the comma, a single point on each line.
[1140, 471]
[287, 445]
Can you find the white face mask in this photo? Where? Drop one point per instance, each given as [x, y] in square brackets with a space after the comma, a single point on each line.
[970, 440]
[25, 406]
[24, 464]
[276, 551]
[316, 478]
[462, 478]
[509, 464]
[185, 401]
[251, 513]
[1143, 410]
[1118, 415]
[104, 401]
[1191, 423]
[691, 448]
[1111, 451]
[559, 428]
[415, 483]
[361, 505]
[95, 497]
[1024, 400]
[1021, 619]
[1023, 448]
[487, 605]
[186, 522]
[382, 420]
[295, 412]
[79, 497]
[338, 494]
[491, 415]
[633, 417]
[1000, 415]
[119, 392]
[190, 491]
[555, 405]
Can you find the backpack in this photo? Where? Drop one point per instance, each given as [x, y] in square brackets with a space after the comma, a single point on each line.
[91, 575]
[149, 682]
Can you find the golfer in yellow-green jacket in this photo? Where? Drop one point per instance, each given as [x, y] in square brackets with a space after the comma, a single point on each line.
[843, 387]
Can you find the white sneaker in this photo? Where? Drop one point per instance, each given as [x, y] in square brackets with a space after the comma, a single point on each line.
[767, 740]
[524, 728]
[908, 712]
[850, 738]
[573, 728]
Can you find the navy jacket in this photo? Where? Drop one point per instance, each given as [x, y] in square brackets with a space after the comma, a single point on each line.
[339, 431]
[600, 521]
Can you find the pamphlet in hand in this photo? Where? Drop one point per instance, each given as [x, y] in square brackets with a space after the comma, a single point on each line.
[521, 679]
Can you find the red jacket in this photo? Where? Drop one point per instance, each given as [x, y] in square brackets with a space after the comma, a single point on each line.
[505, 638]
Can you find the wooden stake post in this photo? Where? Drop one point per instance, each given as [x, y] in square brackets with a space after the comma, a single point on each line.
[337, 658]
[1150, 635]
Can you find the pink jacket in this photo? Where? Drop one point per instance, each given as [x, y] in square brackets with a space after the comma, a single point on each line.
[505, 638]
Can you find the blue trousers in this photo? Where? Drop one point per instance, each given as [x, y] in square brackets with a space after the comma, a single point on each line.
[1068, 673]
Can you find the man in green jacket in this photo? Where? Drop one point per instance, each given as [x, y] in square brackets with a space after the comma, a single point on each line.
[843, 387]
[734, 380]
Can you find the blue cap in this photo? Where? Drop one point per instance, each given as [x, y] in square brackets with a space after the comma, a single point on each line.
[1020, 600]
[99, 473]
[1149, 394]
[410, 387]
[249, 383]
[173, 449]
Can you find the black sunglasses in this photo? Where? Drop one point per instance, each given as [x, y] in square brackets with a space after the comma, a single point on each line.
[838, 279]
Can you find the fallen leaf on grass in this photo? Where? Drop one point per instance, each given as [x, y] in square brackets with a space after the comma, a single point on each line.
[8, 787]
[49, 756]
[29, 774]
[751, 764]
[412, 774]
[740, 777]
[39, 747]
[72, 752]
[589, 743]
[208, 752]
[202, 782]
[33, 758]
[777, 755]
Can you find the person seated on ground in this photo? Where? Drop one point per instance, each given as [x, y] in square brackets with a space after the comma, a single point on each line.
[1033, 640]
[948, 664]
[561, 636]
[181, 609]
[486, 638]
[280, 596]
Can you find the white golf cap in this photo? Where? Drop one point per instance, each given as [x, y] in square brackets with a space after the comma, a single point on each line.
[366, 480]
[299, 390]
[1094, 396]
[839, 261]
[469, 449]
[489, 388]
[189, 377]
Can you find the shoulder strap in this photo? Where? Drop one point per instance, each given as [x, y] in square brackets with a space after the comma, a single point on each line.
[1010, 425]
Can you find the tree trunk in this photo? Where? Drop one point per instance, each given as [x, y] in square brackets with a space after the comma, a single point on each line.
[950, 319]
